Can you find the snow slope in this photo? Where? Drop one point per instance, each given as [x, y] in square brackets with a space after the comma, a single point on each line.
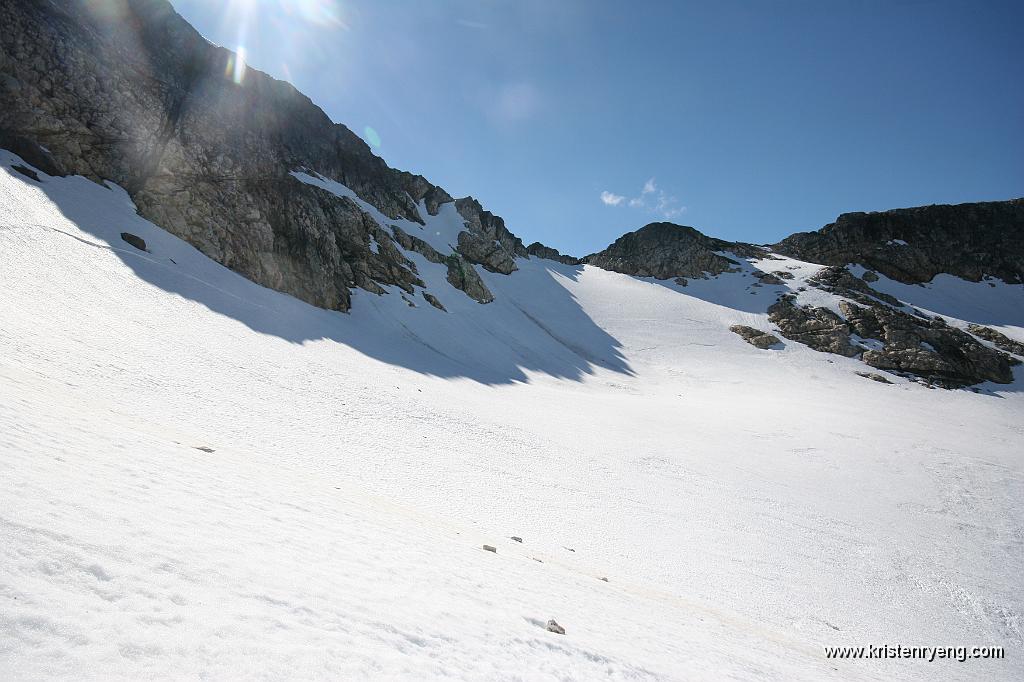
[747, 507]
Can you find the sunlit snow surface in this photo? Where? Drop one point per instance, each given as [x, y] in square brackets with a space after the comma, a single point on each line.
[747, 507]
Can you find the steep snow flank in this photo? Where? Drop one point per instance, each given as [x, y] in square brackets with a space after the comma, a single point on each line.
[746, 506]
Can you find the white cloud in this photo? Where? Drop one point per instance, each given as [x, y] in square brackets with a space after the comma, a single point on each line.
[610, 199]
[653, 200]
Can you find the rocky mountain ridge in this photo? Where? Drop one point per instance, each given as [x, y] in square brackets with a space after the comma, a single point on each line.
[258, 178]
[913, 245]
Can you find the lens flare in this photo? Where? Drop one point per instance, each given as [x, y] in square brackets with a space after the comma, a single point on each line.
[293, 25]
[371, 137]
[239, 72]
[235, 67]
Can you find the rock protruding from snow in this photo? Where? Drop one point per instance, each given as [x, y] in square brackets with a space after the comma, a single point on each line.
[928, 348]
[540, 251]
[903, 343]
[135, 240]
[818, 328]
[839, 280]
[462, 275]
[874, 377]
[755, 337]
[913, 245]
[486, 240]
[553, 626]
[999, 339]
[433, 300]
[668, 251]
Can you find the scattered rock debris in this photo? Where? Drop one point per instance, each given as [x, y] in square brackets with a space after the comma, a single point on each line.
[874, 377]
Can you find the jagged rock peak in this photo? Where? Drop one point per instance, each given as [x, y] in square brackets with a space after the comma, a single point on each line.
[912, 245]
[487, 241]
[666, 250]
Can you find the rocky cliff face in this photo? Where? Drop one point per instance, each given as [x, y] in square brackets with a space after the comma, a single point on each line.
[127, 91]
[666, 251]
[912, 245]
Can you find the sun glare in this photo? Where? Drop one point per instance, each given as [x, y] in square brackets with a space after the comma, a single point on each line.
[290, 17]
[319, 12]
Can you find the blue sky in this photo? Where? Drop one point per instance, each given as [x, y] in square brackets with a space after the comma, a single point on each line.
[580, 120]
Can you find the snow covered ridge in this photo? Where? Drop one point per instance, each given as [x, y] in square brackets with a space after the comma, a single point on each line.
[205, 478]
[852, 320]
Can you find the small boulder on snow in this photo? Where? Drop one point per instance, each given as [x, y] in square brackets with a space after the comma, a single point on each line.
[554, 627]
[755, 337]
[490, 548]
[135, 240]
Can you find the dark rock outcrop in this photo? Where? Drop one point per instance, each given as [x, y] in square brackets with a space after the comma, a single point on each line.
[818, 328]
[135, 240]
[1000, 340]
[903, 343]
[432, 300]
[769, 278]
[540, 251]
[29, 150]
[463, 276]
[912, 245]
[932, 350]
[874, 377]
[838, 280]
[421, 190]
[667, 251]
[127, 91]
[26, 171]
[487, 241]
[755, 337]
